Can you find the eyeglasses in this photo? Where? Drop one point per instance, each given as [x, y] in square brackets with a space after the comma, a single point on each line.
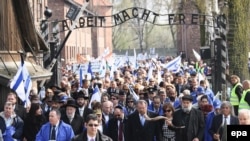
[168, 111]
[93, 125]
[130, 101]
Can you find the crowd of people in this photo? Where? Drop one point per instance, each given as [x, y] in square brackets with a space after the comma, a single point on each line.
[132, 107]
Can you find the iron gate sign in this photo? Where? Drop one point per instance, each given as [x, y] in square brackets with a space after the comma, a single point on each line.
[137, 13]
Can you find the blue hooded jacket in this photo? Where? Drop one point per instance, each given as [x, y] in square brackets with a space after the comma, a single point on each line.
[64, 133]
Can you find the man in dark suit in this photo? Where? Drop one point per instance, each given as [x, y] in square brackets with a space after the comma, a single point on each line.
[218, 127]
[91, 133]
[116, 125]
[113, 88]
[151, 94]
[106, 115]
[140, 129]
[86, 88]
[73, 119]
[82, 109]
[188, 122]
[180, 86]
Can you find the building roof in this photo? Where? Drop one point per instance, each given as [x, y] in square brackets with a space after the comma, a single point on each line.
[27, 27]
[9, 69]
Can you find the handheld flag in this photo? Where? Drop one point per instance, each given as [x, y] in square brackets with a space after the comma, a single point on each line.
[196, 55]
[95, 97]
[81, 76]
[150, 72]
[90, 69]
[132, 92]
[174, 65]
[21, 82]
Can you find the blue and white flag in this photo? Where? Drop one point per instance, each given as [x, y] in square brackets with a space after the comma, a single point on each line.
[95, 97]
[150, 72]
[159, 78]
[21, 82]
[132, 92]
[197, 55]
[90, 69]
[174, 65]
[81, 77]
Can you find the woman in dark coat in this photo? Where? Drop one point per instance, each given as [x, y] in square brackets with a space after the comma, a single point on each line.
[167, 134]
[33, 122]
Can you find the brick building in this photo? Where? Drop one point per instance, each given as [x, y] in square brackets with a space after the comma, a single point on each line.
[188, 36]
[86, 42]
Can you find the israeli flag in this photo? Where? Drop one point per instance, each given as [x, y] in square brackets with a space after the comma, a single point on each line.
[81, 77]
[174, 65]
[132, 92]
[96, 96]
[21, 83]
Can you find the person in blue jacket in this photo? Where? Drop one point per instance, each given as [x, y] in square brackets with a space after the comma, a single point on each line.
[11, 124]
[55, 129]
[210, 116]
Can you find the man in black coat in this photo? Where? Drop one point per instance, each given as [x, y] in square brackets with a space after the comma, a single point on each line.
[116, 125]
[91, 133]
[73, 119]
[82, 109]
[140, 129]
[218, 121]
[188, 122]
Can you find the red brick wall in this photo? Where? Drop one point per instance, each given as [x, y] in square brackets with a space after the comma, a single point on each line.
[188, 36]
[83, 41]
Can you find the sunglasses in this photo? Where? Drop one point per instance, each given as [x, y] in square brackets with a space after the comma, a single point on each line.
[93, 125]
[168, 111]
[130, 101]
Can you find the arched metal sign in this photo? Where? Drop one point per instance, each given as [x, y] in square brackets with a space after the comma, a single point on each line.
[137, 13]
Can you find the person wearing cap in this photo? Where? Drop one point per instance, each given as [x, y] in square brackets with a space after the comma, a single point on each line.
[71, 118]
[224, 118]
[55, 129]
[236, 93]
[116, 125]
[91, 133]
[210, 116]
[82, 109]
[185, 119]
[151, 95]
